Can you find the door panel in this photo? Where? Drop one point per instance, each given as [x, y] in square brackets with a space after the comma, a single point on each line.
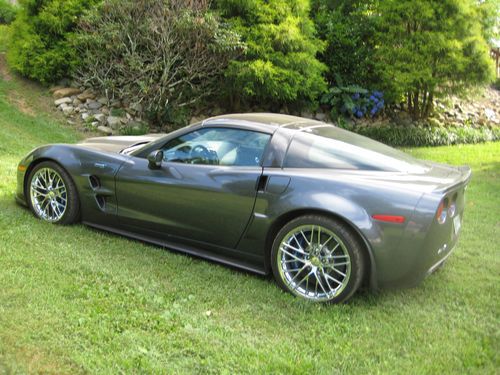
[204, 203]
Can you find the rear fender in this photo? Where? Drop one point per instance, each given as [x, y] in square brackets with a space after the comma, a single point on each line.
[353, 204]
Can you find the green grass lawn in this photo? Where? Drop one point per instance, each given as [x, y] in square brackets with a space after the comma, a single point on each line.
[74, 300]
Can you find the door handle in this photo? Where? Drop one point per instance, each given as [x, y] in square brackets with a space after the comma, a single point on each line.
[261, 182]
[273, 184]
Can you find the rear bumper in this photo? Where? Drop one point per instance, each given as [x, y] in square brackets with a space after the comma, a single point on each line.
[436, 266]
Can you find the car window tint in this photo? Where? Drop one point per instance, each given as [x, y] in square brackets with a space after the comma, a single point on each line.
[334, 148]
[217, 146]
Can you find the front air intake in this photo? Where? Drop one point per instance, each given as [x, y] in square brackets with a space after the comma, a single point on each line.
[101, 201]
[94, 182]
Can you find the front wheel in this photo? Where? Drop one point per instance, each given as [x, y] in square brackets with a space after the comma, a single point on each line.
[318, 258]
[52, 194]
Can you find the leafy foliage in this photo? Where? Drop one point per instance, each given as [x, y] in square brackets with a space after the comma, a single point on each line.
[353, 100]
[7, 12]
[279, 67]
[348, 27]
[413, 50]
[410, 136]
[163, 54]
[4, 37]
[41, 43]
[488, 12]
[429, 47]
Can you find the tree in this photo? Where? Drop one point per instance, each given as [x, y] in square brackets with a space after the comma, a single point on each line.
[489, 14]
[428, 48]
[279, 67]
[41, 40]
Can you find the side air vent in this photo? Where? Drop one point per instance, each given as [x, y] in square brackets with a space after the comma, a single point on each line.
[101, 201]
[94, 182]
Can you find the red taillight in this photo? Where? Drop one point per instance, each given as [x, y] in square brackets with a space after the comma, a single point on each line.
[390, 218]
[442, 211]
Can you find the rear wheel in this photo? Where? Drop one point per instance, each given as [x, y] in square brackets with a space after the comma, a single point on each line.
[317, 258]
[52, 194]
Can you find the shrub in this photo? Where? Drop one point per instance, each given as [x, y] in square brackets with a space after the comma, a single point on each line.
[353, 100]
[279, 67]
[348, 28]
[7, 12]
[41, 45]
[413, 136]
[165, 55]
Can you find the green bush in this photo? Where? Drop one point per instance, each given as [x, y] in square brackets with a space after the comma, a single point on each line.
[7, 12]
[41, 45]
[414, 136]
[4, 37]
[352, 101]
[348, 28]
[162, 54]
[279, 67]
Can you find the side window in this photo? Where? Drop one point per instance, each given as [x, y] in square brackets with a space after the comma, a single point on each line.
[312, 151]
[217, 146]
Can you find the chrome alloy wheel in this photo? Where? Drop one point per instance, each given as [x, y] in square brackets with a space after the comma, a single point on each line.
[314, 262]
[48, 194]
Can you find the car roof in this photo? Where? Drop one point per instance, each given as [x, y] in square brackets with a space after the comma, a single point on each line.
[271, 121]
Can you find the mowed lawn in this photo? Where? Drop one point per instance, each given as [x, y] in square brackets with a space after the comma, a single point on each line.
[75, 300]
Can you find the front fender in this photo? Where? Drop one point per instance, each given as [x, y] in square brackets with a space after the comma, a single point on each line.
[80, 163]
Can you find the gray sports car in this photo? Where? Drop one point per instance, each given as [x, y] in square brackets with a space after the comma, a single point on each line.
[323, 209]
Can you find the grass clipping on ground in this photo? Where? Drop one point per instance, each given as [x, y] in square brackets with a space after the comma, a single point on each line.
[74, 300]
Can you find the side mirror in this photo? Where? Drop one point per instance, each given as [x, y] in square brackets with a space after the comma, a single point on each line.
[155, 159]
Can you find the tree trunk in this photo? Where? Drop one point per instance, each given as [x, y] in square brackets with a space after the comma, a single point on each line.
[416, 105]
[425, 97]
[430, 104]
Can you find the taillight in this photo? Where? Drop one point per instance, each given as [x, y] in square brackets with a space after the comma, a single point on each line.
[442, 211]
[452, 209]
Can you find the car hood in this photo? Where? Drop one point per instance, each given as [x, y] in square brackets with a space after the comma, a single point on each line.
[118, 143]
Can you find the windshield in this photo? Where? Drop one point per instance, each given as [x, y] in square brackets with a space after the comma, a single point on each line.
[335, 148]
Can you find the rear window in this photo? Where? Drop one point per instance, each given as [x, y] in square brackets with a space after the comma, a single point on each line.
[335, 148]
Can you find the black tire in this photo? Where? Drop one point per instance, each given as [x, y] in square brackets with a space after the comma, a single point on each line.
[349, 243]
[71, 213]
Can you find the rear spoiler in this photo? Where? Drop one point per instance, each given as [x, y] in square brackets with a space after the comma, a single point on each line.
[465, 176]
